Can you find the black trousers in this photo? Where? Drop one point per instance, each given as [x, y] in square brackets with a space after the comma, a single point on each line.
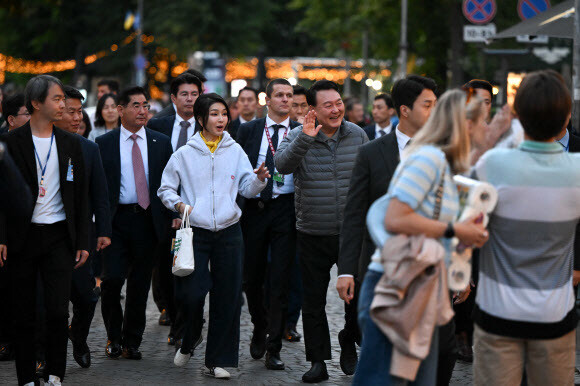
[269, 226]
[50, 253]
[223, 251]
[84, 301]
[6, 305]
[447, 353]
[317, 256]
[129, 257]
[162, 280]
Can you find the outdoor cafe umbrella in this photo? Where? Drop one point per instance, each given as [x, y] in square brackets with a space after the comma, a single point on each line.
[556, 22]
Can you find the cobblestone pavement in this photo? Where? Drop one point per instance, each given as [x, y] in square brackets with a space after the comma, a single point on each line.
[157, 367]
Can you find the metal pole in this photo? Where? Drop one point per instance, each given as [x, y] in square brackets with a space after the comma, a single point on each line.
[140, 70]
[576, 70]
[403, 42]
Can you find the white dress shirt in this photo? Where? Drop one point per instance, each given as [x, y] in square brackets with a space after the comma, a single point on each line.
[177, 129]
[242, 120]
[288, 186]
[128, 193]
[48, 209]
[386, 130]
[402, 140]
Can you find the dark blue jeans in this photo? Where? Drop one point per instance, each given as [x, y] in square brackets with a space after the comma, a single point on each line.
[223, 250]
[375, 356]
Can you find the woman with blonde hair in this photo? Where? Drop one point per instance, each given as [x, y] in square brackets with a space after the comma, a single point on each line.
[422, 200]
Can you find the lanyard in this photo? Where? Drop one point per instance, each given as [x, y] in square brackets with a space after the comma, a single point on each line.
[43, 169]
[270, 139]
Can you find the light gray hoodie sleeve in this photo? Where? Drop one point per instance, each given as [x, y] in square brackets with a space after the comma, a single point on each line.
[170, 181]
[292, 150]
[249, 183]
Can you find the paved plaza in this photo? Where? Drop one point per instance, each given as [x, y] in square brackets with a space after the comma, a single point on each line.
[157, 367]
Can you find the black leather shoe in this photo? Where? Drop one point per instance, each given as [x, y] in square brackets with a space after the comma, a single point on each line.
[82, 354]
[7, 353]
[317, 373]
[113, 349]
[164, 319]
[291, 335]
[170, 340]
[273, 361]
[348, 355]
[258, 344]
[132, 353]
[40, 368]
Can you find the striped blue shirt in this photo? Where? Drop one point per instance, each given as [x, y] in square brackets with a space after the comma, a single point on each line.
[415, 183]
[525, 280]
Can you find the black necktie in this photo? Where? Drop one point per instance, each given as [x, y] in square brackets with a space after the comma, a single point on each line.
[268, 190]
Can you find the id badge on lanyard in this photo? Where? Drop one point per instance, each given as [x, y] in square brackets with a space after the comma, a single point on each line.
[42, 185]
[279, 178]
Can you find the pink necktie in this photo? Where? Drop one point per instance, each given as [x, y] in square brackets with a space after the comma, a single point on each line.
[139, 173]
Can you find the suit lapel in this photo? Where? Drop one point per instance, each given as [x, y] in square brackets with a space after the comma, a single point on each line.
[27, 150]
[390, 151]
[256, 140]
[117, 160]
[151, 150]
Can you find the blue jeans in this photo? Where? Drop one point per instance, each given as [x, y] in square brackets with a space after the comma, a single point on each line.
[375, 356]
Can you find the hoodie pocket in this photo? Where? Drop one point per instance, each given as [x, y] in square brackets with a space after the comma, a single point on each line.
[201, 215]
[226, 210]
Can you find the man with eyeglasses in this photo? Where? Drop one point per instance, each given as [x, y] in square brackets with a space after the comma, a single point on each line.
[15, 112]
[134, 158]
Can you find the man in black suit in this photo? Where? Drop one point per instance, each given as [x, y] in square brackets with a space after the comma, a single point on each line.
[170, 110]
[51, 162]
[383, 111]
[179, 127]
[269, 226]
[83, 297]
[15, 111]
[134, 158]
[248, 106]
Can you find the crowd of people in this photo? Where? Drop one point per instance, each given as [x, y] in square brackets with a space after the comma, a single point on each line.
[91, 200]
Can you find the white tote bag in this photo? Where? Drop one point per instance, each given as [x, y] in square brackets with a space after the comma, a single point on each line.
[183, 261]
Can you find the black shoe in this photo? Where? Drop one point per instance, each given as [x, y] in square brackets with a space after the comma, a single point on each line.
[40, 365]
[132, 353]
[7, 353]
[82, 354]
[273, 361]
[170, 340]
[258, 344]
[164, 319]
[317, 373]
[291, 335]
[113, 349]
[464, 351]
[348, 355]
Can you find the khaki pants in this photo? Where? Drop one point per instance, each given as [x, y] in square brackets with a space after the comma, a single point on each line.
[500, 360]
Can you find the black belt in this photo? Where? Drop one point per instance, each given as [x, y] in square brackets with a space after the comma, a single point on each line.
[133, 208]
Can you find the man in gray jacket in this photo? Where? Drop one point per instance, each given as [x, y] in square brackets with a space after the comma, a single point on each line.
[321, 155]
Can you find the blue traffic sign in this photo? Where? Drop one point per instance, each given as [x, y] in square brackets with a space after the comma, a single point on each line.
[479, 11]
[530, 8]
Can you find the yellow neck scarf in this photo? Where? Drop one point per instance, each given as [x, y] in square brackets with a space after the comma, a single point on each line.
[212, 145]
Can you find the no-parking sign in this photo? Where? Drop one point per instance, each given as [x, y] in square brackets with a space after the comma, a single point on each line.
[530, 8]
[479, 11]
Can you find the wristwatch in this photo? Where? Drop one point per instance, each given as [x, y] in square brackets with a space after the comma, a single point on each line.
[449, 232]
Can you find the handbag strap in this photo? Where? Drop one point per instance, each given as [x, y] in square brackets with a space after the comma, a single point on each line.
[439, 197]
[185, 221]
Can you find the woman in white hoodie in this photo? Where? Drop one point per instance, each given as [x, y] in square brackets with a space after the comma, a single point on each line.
[208, 174]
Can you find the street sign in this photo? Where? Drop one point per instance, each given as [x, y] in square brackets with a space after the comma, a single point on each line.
[478, 33]
[530, 8]
[479, 11]
[538, 39]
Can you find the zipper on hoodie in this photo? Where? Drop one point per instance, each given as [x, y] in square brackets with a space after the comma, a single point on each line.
[213, 193]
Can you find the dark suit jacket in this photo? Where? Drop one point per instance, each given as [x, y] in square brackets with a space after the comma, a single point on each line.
[73, 193]
[164, 125]
[373, 169]
[98, 193]
[159, 151]
[371, 132]
[15, 197]
[234, 127]
[250, 137]
[168, 110]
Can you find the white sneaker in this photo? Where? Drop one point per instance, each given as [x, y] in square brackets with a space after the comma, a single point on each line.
[53, 380]
[181, 359]
[217, 372]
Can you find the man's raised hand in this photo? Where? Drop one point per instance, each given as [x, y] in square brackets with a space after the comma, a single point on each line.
[309, 127]
[262, 172]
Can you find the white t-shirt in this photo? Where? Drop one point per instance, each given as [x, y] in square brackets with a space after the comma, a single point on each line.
[48, 209]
